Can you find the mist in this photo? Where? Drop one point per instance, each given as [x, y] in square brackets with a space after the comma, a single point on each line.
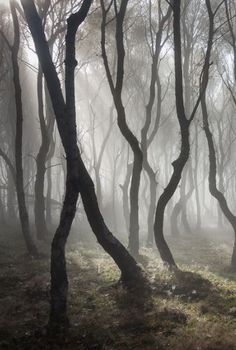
[117, 174]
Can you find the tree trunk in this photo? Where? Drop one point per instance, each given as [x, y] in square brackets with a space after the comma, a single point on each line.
[211, 148]
[186, 197]
[116, 90]
[196, 184]
[152, 209]
[39, 206]
[11, 197]
[145, 141]
[167, 194]
[174, 219]
[49, 194]
[2, 211]
[179, 163]
[78, 179]
[125, 195]
[24, 219]
[59, 281]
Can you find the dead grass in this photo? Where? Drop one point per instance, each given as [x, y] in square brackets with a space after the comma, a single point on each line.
[193, 309]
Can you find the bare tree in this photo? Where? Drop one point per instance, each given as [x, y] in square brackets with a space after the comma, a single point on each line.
[182, 159]
[211, 148]
[78, 179]
[17, 171]
[116, 91]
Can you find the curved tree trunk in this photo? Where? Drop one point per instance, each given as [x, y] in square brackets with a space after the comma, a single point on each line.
[178, 166]
[145, 141]
[116, 90]
[78, 179]
[211, 148]
[179, 163]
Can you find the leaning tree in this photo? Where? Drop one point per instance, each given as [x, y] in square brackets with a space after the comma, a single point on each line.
[78, 179]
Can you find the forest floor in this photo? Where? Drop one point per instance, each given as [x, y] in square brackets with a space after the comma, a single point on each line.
[194, 309]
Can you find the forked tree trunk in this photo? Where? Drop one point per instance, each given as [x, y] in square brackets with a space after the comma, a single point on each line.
[145, 140]
[78, 179]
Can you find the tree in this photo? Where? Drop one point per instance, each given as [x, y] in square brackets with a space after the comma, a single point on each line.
[155, 49]
[17, 172]
[184, 123]
[116, 91]
[78, 179]
[213, 188]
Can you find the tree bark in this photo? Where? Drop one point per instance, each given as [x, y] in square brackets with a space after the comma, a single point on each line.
[78, 179]
[145, 141]
[39, 206]
[179, 163]
[125, 195]
[116, 90]
[211, 148]
[196, 184]
[24, 218]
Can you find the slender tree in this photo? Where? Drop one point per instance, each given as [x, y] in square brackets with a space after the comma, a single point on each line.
[78, 179]
[184, 123]
[116, 91]
[157, 44]
[17, 171]
[215, 192]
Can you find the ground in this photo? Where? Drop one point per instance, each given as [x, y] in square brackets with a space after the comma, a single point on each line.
[193, 309]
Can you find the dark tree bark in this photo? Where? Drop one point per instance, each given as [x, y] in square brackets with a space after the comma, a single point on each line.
[39, 206]
[196, 183]
[215, 192]
[19, 177]
[78, 179]
[179, 163]
[50, 123]
[42, 207]
[145, 141]
[116, 90]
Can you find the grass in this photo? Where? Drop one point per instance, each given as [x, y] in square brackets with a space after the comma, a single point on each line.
[193, 309]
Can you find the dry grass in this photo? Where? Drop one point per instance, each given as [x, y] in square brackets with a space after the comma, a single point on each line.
[191, 310]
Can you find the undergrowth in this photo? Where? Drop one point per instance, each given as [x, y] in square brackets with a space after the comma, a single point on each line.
[191, 309]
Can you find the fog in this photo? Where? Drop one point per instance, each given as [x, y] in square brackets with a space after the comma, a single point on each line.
[127, 152]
